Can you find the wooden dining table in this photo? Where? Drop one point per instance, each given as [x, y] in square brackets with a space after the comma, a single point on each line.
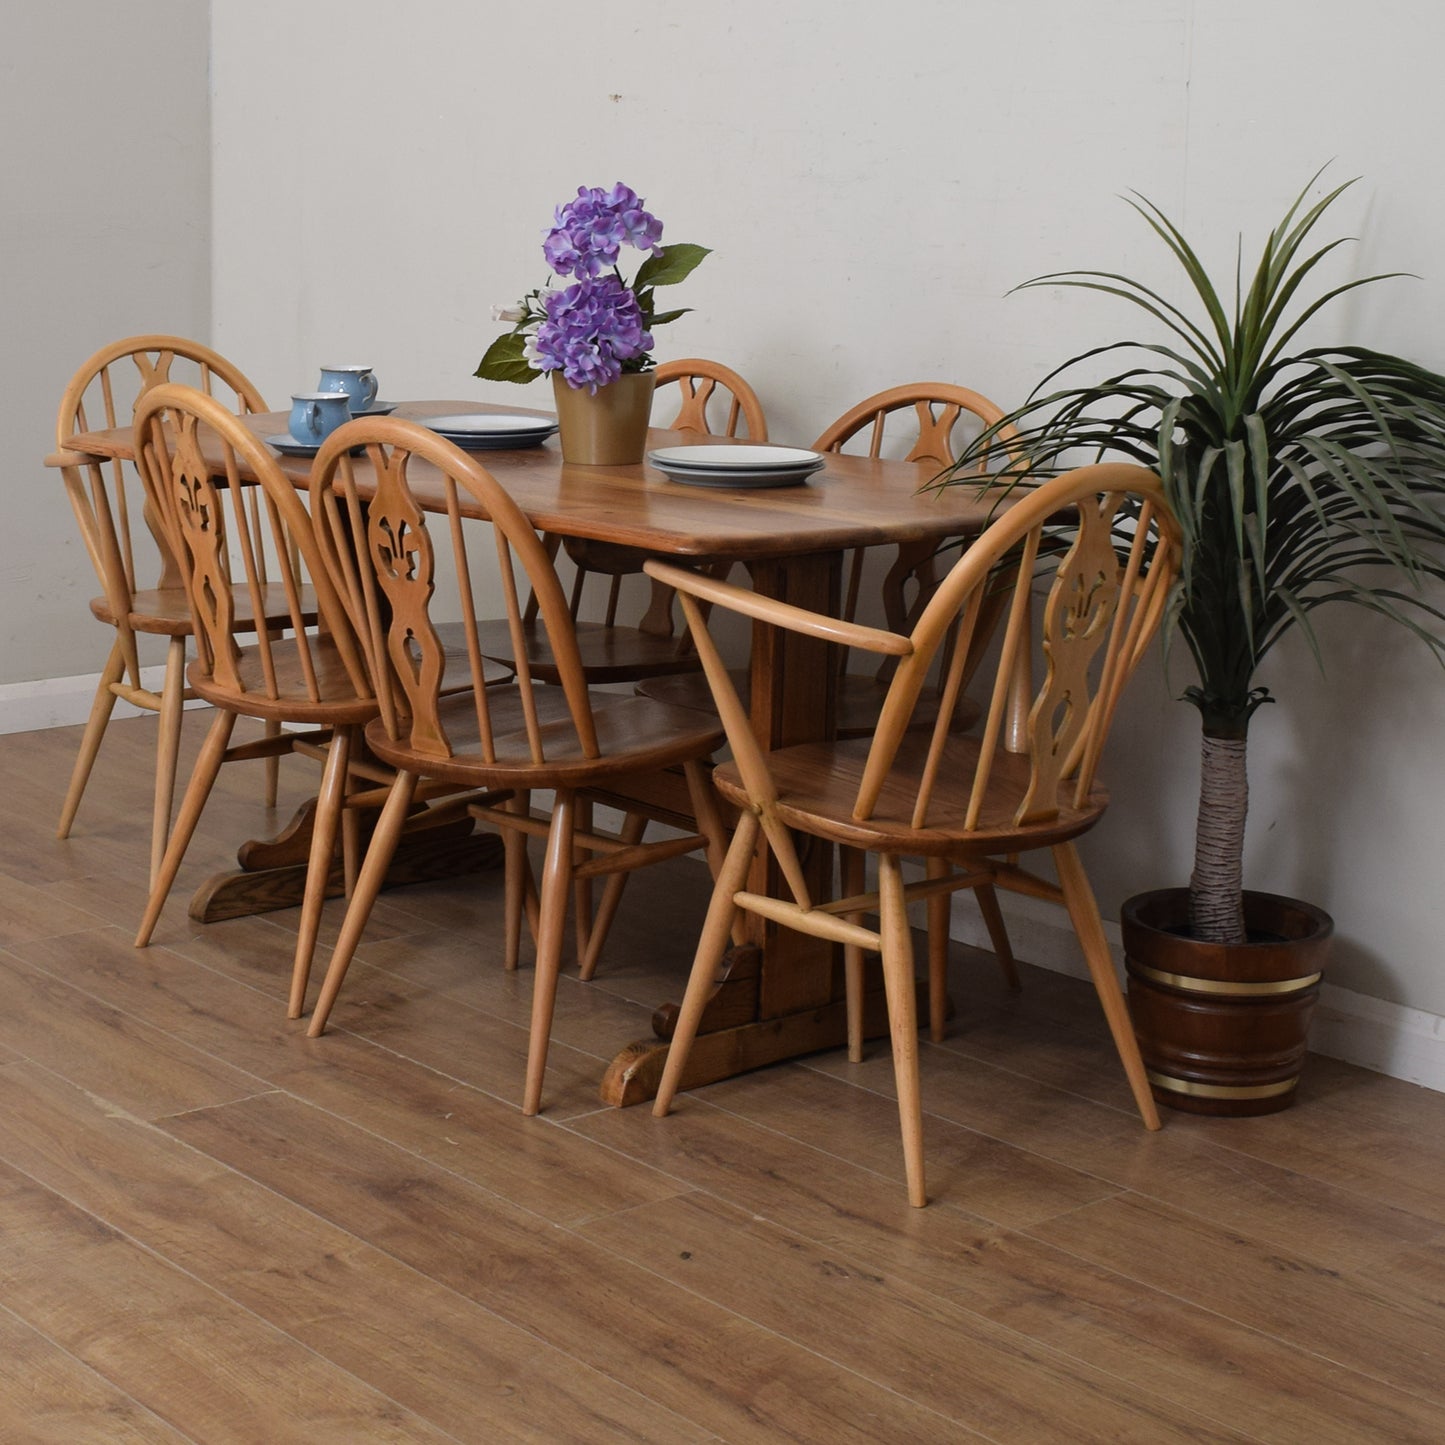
[782, 993]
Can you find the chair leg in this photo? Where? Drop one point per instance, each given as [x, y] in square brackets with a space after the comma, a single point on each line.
[168, 748]
[939, 908]
[709, 819]
[851, 869]
[515, 876]
[324, 826]
[556, 884]
[581, 887]
[273, 765]
[350, 846]
[1084, 913]
[203, 778]
[711, 945]
[634, 825]
[378, 858]
[987, 896]
[897, 950]
[101, 707]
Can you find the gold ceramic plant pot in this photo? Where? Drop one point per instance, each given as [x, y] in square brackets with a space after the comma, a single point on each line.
[608, 429]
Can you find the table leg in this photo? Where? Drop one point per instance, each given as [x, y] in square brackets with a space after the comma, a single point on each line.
[272, 871]
[782, 995]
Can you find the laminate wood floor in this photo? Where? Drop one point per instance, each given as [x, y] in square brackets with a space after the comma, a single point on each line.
[214, 1229]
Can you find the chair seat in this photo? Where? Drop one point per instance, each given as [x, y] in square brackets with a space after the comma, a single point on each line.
[164, 611]
[818, 785]
[860, 700]
[609, 653]
[633, 734]
[337, 704]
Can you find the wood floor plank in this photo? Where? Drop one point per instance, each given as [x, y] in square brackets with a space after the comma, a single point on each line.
[701, 1361]
[112, 1053]
[47, 1397]
[27, 912]
[482, 1137]
[1377, 1137]
[204, 1365]
[371, 1207]
[1334, 1226]
[463, 1370]
[1339, 1316]
[958, 1363]
[1276, 1392]
[985, 1176]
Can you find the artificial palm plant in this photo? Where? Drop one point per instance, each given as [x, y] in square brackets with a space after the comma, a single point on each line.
[1298, 477]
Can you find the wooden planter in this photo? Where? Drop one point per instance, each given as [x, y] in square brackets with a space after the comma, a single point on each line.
[1222, 1029]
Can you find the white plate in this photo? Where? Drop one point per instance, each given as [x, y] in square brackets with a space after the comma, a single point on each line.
[736, 477]
[488, 424]
[755, 457]
[378, 408]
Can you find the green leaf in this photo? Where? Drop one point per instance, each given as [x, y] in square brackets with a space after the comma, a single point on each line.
[504, 361]
[663, 317]
[671, 265]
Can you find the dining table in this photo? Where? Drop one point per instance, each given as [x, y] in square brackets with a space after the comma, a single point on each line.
[781, 994]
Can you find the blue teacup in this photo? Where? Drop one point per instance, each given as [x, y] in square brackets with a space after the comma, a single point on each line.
[316, 414]
[357, 382]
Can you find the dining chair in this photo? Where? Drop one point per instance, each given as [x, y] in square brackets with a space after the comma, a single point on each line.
[119, 538]
[611, 650]
[1104, 539]
[192, 454]
[510, 739]
[916, 423]
[712, 400]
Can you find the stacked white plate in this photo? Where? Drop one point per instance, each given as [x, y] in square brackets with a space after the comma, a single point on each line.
[492, 431]
[752, 465]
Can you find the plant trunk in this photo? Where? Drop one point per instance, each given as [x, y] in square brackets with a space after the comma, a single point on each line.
[1216, 889]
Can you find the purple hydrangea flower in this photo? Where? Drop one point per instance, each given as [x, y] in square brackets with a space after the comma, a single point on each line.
[591, 230]
[592, 327]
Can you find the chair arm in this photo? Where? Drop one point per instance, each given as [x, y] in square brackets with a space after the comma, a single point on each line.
[778, 614]
[71, 459]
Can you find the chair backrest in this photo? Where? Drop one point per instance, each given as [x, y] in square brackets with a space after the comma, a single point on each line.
[914, 423]
[378, 547]
[105, 495]
[232, 521]
[1111, 545]
[701, 383]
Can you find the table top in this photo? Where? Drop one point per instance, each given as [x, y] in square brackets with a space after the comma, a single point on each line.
[852, 502]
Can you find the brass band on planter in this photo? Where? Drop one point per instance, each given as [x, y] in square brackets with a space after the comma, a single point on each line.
[1187, 983]
[1221, 1091]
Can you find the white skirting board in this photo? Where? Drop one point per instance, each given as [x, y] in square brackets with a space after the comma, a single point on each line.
[1403, 1042]
[57, 702]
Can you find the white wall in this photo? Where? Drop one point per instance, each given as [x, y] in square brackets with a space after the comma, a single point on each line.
[104, 232]
[873, 180]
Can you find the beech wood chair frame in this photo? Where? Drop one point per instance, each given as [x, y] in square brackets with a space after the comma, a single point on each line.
[968, 806]
[224, 549]
[508, 739]
[652, 647]
[109, 508]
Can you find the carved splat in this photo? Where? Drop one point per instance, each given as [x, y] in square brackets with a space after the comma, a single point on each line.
[404, 564]
[200, 516]
[1080, 607]
[703, 382]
